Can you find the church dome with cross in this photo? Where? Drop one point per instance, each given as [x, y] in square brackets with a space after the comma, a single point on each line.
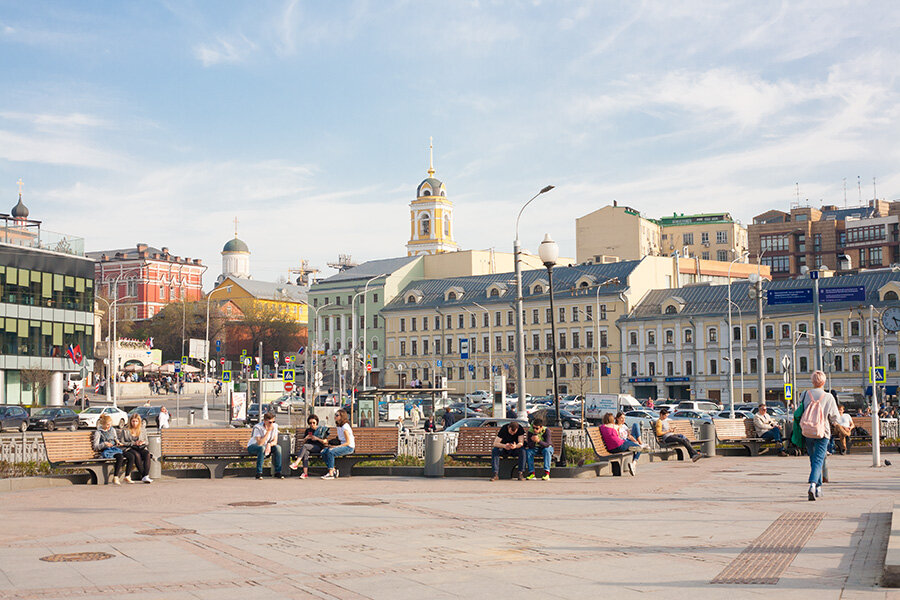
[235, 258]
[431, 216]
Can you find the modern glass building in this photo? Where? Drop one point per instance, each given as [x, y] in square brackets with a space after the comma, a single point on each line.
[46, 305]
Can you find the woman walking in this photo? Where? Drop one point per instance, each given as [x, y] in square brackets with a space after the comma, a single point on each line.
[817, 411]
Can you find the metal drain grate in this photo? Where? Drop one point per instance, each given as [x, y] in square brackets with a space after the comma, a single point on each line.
[252, 503]
[77, 557]
[167, 531]
[763, 561]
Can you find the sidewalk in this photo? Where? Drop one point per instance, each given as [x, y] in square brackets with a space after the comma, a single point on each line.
[665, 533]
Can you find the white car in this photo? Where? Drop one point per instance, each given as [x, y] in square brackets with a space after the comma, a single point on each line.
[89, 417]
[479, 396]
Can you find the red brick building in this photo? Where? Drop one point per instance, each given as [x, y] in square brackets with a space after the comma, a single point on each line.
[147, 279]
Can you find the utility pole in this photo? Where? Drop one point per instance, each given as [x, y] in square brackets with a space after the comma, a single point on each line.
[260, 380]
[818, 318]
[876, 434]
[760, 340]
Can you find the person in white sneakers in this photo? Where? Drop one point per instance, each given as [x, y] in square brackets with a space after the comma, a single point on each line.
[818, 411]
[346, 443]
[137, 454]
[106, 444]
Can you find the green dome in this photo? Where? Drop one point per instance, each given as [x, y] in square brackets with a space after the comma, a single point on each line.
[236, 245]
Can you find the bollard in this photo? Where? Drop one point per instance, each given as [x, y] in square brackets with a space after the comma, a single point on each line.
[191, 418]
[154, 445]
[434, 455]
[708, 434]
[284, 442]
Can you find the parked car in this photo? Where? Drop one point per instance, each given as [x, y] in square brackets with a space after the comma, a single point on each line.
[641, 416]
[13, 417]
[149, 415]
[465, 409]
[483, 422]
[705, 406]
[479, 396]
[569, 421]
[292, 401]
[51, 418]
[253, 413]
[89, 417]
[738, 414]
[326, 400]
[694, 416]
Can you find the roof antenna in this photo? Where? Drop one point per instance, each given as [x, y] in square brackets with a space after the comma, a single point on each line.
[859, 188]
[845, 192]
[874, 190]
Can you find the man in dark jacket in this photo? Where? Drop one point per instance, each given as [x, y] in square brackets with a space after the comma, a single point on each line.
[537, 439]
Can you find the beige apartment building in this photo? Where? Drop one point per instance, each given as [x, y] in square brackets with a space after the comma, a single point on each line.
[623, 232]
[675, 344]
[430, 321]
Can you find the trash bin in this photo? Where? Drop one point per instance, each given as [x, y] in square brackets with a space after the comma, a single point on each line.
[191, 418]
[154, 445]
[434, 455]
[284, 442]
[708, 434]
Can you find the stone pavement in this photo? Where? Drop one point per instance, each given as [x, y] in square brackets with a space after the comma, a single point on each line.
[666, 533]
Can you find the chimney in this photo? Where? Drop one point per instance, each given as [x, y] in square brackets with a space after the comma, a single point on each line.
[615, 203]
[165, 251]
[142, 247]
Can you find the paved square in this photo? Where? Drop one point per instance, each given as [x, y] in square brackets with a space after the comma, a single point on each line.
[667, 532]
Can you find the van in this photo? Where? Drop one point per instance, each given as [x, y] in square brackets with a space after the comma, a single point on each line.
[596, 405]
[72, 382]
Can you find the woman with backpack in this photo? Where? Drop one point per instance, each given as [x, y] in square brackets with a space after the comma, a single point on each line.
[816, 412]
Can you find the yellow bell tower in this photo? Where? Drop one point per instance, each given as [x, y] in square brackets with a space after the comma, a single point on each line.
[431, 216]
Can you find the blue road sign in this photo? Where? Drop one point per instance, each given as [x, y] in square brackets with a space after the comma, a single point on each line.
[226, 376]
[464, 348]
[439, 363]
[788, 391]
[854, 293]
[796, 296]
[218, 345]
[472, 368]
[879, 373]
[813, 274]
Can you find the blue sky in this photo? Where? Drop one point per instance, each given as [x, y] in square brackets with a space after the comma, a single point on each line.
[159, 122]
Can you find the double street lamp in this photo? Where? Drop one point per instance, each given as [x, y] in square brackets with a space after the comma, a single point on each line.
[205, 415]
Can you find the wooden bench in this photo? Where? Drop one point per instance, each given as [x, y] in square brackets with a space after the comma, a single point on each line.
[864, 423]
[74, 449]
[476, 443]
[215, 449]
[743, 432]
[682, 427]
[617, 460]
[372, 443]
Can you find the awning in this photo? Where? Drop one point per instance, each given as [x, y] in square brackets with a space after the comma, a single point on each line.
[890, 390]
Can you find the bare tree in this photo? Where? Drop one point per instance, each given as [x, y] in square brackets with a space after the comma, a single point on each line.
[37, 379]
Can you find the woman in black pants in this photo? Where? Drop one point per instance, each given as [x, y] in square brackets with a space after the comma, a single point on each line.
[134, 441]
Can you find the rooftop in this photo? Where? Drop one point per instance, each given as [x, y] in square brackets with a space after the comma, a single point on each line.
[270, 290]
[28, 234]
[371, 269]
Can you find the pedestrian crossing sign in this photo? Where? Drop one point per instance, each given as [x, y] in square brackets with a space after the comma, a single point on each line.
[877, 375]
[287, 375]
[788, 391]
[226, 376]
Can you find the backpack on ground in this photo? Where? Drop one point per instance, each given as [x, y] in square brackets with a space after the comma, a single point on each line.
[812, 423]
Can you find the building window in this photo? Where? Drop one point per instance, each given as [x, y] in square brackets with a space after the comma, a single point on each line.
[804, 364]
[437, 345]
[574, 314]
[770, 365]
[602, 315]
[425, 346]
[375, 297]
[589, 313]
[562, 369]
[892, 362]
[451, 296]
[751, 332]
[713, 335]
[534, 316]
[778, 264]
[402, 324]
[402, 348]
[753, 366]
[537, 372]
[485, 344]
[632, 338]
[770, 332]
[722, 255]
[535, 341]
[670, 336]
[721, 237]
[549, 371]
[704, 237]
[414, 347]
[651, 368]
[738, 366]
[510, 343]
[670, 368]
[688, 367]
[704, 255]
[462, 372]
[576, 370]
[736, 332]
[575, 340]
[412, 324]
[688, 336]
[472, 323]
[687, 239]
[634, 369]
[549, 341]
[774, 243]
[509, 317]
[713, 367]
[460, 321]
[449, 322]
[651, 338]
[449, 345]
[837, 329]
[562, 340]
[588, 339]
[374, 344]
[603, 339]
[855, 363]
[498, 343]
[562, 314]
[801, 327]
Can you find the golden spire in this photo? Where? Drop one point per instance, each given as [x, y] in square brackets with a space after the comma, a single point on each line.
[21, 185]
[431, 157]
[235, 227]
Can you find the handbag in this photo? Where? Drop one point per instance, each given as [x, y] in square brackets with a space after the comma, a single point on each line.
[110, 452]
[334, 442]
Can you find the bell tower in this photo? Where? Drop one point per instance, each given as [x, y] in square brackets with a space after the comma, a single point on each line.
[431, 216]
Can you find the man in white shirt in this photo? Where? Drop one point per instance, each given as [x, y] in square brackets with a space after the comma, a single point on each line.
[264, 441]
[840, 431]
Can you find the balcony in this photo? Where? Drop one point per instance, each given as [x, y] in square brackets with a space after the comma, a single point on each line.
[28, 234]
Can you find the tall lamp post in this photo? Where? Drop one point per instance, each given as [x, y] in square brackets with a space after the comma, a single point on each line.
[205, 415]
[520, 325]
[731, 340]
[549, 253]
[365, 354]
[108, 343]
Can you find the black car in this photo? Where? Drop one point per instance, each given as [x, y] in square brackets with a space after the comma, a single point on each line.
[13, 417]
[149, 415]
[253, 413]
[569, 421]
[54, 418]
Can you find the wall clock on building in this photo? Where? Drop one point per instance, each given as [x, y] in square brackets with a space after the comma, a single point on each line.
[890, 318]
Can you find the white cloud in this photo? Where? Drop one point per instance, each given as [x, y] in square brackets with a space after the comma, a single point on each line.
[225, 50]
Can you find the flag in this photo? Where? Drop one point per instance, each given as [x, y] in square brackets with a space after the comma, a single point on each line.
[301, 350]
[74, 352]
[149, 343]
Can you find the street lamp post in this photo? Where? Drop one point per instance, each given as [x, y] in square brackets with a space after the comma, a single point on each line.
[366, 329]
[205, 415]
[108, 343]
[312, 347]
[731, 341]
[549, 254]
[520, 325]
[490, 341]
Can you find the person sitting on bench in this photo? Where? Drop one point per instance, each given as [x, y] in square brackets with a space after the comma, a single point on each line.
[613, 442]
[346, 443]
[840, 431]
[510, 442]
[767, 428]
[537, 439]
[106, 443]
[314, 441]
[264, 441]
[668, 438]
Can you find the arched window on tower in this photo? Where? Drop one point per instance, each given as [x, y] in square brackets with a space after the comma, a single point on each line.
[890, 295]
[447, 225]
[425, 225]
